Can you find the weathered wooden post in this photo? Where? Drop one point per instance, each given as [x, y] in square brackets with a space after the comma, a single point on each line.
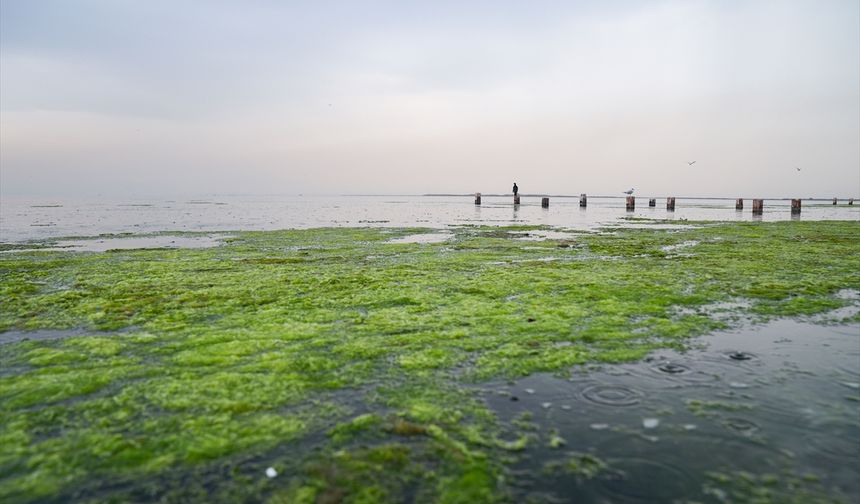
[758, 206]
[544, 202]
[795, 206]
[652, 202]
[516, 199]
[834, 201]
[850, 201]
[583, 200]
[670, 204]
[477, 198]
[631, 203]
[739, 204]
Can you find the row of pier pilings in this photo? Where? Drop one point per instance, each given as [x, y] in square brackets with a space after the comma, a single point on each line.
[630, 203]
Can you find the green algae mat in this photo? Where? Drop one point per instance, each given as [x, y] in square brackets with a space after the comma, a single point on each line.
[344, 365]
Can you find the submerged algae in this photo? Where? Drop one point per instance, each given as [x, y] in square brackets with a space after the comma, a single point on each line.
[740, 486]
[341, 340]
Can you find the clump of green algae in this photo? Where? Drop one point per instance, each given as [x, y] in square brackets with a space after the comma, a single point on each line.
[345, 358]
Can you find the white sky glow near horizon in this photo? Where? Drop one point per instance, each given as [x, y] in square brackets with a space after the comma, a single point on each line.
[133, 98]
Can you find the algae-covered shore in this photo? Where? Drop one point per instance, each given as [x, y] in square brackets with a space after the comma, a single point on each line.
[353, 363]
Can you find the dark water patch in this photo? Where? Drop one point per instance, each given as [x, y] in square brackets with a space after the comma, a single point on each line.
[836, 440]
[632, 480]
[664, 424]
[14, 335]
[39, 335]
[696, 449]
[634, 468]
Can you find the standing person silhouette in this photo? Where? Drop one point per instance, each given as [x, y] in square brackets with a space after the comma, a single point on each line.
[516, 189]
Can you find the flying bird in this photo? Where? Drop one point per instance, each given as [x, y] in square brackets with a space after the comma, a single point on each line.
[797, 168]
[628, 192]
[691, 163]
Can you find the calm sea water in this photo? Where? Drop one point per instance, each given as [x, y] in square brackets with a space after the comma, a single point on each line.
[23, 219]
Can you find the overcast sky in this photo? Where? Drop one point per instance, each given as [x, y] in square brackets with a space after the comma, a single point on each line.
[160, 97]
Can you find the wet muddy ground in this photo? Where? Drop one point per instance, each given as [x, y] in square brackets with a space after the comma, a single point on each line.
[764, 407]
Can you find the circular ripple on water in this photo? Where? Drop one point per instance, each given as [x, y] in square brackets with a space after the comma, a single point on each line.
[741, 425]
[683, 372]
[739, 355]
[612, 395]
[643, 480]
[673, 368]
[729, 369]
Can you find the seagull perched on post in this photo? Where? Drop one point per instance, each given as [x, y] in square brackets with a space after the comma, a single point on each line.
[628, 193]
[691, 163]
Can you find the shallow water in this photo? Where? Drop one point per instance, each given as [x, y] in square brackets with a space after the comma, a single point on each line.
[423, 238]
[781, 399]
[139, 242]
[15, 336]
[24, 219]
[39, 335]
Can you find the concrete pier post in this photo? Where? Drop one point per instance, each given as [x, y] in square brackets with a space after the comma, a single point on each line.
[583, 200]
[739, 204]
[652, 202]
[795, 206]
[834, 201]
[477, 198]
[631, 203]
[850, 201]
[544, 202]
[670, 204]
[516, 200]
[758, 207]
